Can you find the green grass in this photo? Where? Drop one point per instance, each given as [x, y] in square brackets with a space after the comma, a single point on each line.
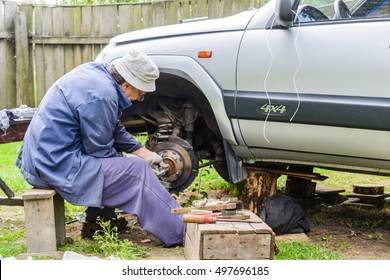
[208, 179]
[12, 237]
[9, 172]
[304, 251]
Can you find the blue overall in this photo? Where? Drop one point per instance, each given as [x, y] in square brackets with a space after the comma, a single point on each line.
[74, 144]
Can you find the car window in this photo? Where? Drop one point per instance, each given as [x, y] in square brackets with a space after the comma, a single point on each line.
[331, 10]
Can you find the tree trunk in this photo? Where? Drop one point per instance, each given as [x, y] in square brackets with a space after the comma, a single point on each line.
[256, 189]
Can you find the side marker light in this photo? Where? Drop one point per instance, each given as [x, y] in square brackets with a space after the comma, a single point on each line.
[205, 54]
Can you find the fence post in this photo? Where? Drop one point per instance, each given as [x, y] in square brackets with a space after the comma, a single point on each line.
[24, 88]
[7, 63]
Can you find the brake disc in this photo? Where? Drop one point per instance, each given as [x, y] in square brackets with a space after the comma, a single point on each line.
[183, 164]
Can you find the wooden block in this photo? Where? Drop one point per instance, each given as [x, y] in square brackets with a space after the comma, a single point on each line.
[35, 194]
[373, 198]
[59, 218]
[368, 189]
[229, 240]
[13, 201]
[300, 189]
[327, 191]
[44, 218]
[256, 189]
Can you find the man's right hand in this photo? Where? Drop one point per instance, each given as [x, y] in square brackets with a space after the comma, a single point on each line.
[156, 159]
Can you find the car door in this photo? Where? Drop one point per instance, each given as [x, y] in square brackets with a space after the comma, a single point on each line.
[318, 91]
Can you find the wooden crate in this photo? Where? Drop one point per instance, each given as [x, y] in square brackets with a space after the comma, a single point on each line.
[229, 241]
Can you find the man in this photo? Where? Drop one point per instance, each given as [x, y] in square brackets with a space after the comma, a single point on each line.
[75, 141]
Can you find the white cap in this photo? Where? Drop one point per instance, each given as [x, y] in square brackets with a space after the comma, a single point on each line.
[138, 70]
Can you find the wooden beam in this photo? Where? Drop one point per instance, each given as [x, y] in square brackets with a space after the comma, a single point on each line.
[70, 40]
[6, 35]
[6, 189]
[24, 90]
[13, 201]
[301, 175]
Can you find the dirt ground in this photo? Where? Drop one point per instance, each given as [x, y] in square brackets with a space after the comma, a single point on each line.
[356, 232]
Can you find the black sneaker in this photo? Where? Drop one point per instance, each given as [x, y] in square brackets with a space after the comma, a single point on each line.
[89, 228]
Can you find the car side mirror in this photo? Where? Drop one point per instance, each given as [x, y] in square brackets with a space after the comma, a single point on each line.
[283, 12]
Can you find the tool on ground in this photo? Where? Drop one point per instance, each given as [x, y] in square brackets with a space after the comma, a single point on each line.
[212, 218]
[206, 207]
[224, 214]
[234, 214]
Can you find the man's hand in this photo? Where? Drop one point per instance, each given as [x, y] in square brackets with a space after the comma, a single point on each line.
[151, 157]
[155, 159]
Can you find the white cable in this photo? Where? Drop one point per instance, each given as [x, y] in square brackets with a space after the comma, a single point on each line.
[265, 81]
[298, 67]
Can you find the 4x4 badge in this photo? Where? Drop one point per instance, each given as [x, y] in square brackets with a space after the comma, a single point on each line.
[267, 108]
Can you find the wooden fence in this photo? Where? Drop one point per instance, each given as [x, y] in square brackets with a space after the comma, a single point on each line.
[39, 43]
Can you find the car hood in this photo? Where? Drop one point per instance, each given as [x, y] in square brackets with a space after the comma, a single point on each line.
[236, 22]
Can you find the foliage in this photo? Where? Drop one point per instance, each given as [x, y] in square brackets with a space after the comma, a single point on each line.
[108, 244]
[73, 212]
[208, 179]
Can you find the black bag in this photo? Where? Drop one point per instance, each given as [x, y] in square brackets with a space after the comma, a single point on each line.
[283, 214]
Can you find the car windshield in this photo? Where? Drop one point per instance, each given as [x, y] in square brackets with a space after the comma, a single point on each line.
[325, 10]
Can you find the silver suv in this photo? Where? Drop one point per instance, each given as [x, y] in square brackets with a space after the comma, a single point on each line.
[294, 83]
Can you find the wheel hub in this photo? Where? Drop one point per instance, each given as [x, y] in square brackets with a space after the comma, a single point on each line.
[183, 164]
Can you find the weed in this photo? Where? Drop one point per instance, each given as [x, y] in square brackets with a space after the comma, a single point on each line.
[341, 244]
[326, 238]
[376, 223]
[371, 224]
[74, 212]
[108, 244]
[317, 219]
[377, 237]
